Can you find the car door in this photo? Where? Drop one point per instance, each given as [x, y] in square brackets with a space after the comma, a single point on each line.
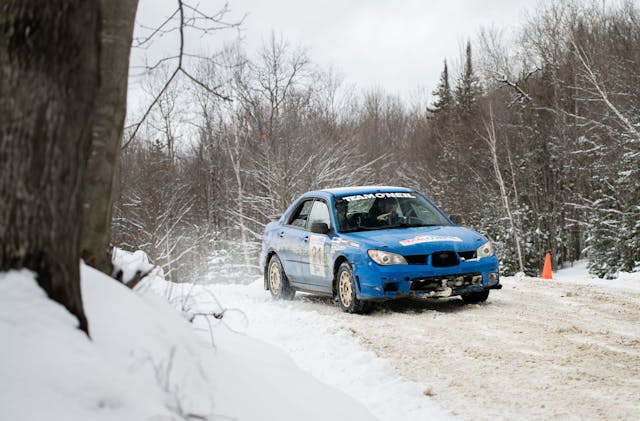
[317, 270]
[293, 240]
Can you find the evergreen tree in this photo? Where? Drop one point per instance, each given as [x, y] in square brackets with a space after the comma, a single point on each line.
[614, 228]
[604, 227]
[629, 190]
[442, 92]
[468, 86]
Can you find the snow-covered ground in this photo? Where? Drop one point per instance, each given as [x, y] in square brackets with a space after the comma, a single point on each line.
[564, 348]
[321, 340]
[578, 274]
[567, 348]
[144, 362]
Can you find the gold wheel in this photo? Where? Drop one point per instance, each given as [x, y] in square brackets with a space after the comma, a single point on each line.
[345, 288]
[275, 278]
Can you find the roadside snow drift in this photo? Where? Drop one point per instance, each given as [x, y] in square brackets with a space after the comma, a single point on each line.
[319, 338]
[144, 361]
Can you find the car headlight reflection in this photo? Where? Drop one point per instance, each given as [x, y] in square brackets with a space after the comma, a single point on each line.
[485, 250]
[385, 258]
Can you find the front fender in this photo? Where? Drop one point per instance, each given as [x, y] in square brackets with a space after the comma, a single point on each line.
[355, 257]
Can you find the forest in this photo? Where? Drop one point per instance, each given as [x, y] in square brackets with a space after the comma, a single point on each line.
[532, 136]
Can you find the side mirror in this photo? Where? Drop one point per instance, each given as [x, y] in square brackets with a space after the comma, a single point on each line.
[456, 218]
[319, 228]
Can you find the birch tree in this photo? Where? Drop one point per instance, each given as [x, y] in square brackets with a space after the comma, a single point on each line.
[491, 140]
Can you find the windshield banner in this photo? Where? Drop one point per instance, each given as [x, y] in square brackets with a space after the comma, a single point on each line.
[377, 195]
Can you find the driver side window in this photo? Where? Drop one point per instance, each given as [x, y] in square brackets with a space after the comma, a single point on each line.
[320, 213]
[301, 215]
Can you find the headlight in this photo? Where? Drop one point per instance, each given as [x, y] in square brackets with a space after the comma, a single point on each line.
[385, 258]
[485, 250]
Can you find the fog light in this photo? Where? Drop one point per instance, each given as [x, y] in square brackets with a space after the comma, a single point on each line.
[493, 276]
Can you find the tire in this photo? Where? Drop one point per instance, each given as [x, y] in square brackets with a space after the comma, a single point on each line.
[346, 291]
[476, 297]
[278, 282]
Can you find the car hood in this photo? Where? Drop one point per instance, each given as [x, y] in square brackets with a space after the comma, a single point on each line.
[420, 240]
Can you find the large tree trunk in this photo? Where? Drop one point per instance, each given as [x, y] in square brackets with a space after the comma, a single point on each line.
[111, 104]
[49, 53]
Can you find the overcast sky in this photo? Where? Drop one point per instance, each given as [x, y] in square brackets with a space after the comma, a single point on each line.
[395, 45]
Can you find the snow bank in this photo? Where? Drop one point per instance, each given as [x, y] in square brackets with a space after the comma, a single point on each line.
[144, 361]
[579, 274]
[50, 369]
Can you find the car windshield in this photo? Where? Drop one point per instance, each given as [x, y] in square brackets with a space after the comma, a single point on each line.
[386, 210]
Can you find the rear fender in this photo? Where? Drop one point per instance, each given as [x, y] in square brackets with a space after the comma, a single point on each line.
[266, 269]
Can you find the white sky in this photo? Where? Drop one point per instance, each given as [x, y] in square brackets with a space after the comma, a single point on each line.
[397, 45]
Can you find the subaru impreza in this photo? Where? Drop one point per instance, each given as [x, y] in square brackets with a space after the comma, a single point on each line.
[369, 244]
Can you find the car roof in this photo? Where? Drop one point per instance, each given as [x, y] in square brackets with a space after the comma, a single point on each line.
[345, 191]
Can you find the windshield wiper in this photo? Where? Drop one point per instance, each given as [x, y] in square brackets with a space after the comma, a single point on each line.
[363, 228]
[356, 229]
[415, 225]
[387, 227]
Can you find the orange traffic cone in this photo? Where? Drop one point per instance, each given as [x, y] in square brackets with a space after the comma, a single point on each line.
[546, 270]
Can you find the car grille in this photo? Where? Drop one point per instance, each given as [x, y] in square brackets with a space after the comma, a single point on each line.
[451, 281]
[444, 259]
[417, 259]
[440, 259]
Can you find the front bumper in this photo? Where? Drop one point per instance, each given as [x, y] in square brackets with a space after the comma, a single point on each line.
[377, 283]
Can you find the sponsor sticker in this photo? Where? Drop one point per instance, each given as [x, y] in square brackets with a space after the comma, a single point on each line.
[339, 244]
[428, 239]
[378, 196]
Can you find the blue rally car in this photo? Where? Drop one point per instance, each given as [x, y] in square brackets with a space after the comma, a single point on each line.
[367, 244]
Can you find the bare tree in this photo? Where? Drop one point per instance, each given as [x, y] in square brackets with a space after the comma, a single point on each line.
[115, 36]
[116, 39]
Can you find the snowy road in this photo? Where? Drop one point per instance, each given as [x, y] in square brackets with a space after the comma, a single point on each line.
[537, 349]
